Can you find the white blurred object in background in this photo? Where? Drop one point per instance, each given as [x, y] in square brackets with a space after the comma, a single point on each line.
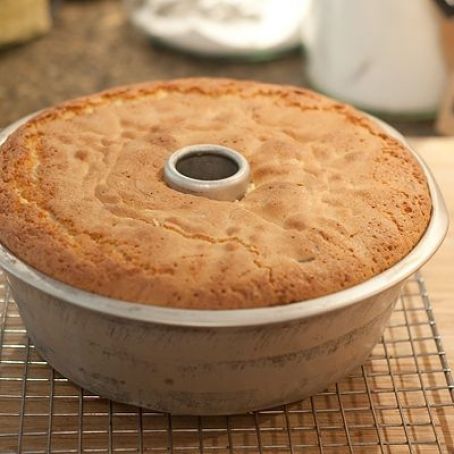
[381, 55]
[222, 28]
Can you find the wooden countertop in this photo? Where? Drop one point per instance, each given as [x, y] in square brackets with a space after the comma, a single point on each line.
[439, 272]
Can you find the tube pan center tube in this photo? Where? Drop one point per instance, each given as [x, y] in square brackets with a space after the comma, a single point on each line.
[208, 170]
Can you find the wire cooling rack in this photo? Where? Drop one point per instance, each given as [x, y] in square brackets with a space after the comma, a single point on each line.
[400, 401]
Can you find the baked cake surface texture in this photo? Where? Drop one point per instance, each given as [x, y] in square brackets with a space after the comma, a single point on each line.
[335, 199]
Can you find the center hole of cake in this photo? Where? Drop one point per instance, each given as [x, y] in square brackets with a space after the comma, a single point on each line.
[207, 165]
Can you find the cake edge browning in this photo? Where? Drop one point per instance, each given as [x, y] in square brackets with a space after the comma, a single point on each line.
[41, 241]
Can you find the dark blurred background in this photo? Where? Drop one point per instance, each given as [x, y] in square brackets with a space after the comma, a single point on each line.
[91, 46]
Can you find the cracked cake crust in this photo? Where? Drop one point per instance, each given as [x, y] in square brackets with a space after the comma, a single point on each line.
[335, 199]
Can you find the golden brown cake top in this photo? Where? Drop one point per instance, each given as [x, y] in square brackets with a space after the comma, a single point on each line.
[335, 199]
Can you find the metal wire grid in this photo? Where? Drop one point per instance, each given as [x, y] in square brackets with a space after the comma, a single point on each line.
[400, 401]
